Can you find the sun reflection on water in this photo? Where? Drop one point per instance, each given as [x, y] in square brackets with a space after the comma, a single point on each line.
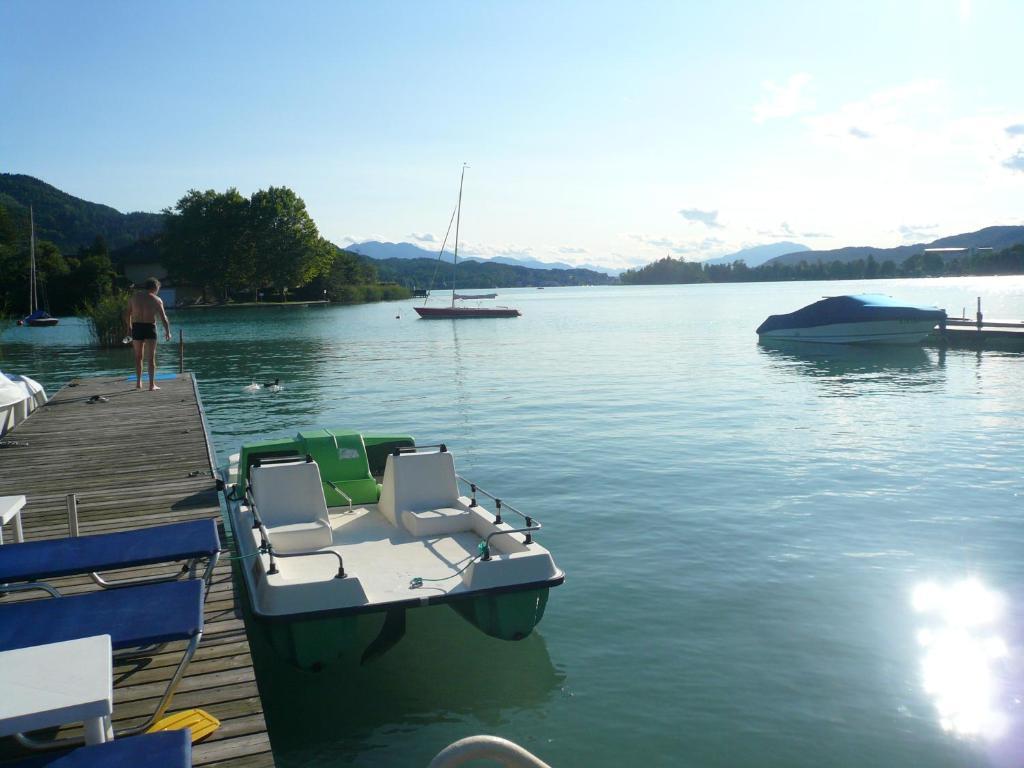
[962, 652]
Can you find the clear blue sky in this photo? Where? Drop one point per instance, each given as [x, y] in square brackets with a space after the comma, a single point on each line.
[596, 132]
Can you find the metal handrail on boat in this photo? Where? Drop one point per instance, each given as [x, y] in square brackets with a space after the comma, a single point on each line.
[267, 546]
[528, 537]
[336, 488]
[474, 489]
[532, 523]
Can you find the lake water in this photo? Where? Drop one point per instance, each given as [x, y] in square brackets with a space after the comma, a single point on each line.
[774, 557]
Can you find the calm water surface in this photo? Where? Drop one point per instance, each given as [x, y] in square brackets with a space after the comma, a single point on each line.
[775, 557]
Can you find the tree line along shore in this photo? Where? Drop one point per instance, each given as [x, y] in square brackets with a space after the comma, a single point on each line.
[1009, 261]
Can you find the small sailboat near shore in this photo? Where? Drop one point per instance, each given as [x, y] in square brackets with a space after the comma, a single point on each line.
[37, 317]
[457, 311]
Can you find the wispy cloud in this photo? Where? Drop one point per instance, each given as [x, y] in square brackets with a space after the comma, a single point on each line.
[707, 218]
[572, 251]
[882, 115]
[911, 232]
[697, 248]
[373, 237]
[785, 232]
[782, 100]
[1016, 162]
[425, 237]
[1015, 130]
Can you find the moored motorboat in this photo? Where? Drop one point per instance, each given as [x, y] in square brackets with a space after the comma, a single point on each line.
[332, 559]
[858, 319]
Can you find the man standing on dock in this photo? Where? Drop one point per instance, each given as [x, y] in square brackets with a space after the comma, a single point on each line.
[140, 318]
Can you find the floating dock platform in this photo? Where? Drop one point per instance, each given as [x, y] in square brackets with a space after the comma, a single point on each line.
[991, 334]
[134, 460]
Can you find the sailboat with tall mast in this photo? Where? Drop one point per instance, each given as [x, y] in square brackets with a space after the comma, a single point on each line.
[456, 311]
[36, 316]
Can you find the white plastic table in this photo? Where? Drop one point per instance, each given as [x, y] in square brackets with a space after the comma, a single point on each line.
[57, 684]
[10, 508]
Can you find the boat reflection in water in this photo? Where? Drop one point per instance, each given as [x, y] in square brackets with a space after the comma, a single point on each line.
[964, 656]
[447, 676]
[850, 370]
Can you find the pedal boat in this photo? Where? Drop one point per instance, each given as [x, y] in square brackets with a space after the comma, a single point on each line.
[332, 559]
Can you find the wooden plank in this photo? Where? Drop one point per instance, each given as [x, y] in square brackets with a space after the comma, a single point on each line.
[142, 459]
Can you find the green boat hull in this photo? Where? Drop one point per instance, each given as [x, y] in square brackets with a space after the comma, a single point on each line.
[506, 616]
[314, 643]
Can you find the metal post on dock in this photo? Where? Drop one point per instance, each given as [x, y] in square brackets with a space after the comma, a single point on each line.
[181, 351]
[71, 501]
[979, 313]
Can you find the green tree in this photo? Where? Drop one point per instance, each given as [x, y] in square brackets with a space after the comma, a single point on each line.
[285, 246]
[206, 240]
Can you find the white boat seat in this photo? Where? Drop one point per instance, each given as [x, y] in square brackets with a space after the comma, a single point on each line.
[290, 502]
[437, 522]
[420, 483]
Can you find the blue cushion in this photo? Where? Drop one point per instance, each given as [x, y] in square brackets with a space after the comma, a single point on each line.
[165, 749]
[108, 551]
[132, 616]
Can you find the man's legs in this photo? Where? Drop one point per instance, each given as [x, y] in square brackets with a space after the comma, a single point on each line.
[151, 360]
[138, 363]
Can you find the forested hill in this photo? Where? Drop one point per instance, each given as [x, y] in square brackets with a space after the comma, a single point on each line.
[68, 221]
[418, 273]
[997, 238]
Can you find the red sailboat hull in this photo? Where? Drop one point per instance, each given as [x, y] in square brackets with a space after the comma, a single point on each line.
[431, 313]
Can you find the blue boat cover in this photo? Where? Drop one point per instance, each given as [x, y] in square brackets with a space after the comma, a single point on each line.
[164, 749]
[108, 551]
[38, 315]
[132, 616]
[865, 308]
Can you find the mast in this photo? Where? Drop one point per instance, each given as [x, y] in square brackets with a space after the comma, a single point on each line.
[458, 216]
[32, 262]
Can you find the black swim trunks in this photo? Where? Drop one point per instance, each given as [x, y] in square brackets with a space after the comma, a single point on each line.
[143, 331]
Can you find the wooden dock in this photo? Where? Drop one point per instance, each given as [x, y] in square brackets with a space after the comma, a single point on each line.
[139, 459]
[963, 332]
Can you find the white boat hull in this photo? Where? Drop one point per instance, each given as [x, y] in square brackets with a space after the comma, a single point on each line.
[19, 396]
[876, 332]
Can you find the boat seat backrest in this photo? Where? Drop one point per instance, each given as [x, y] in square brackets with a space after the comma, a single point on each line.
[289, 493]
[417, 482]
[341, 457]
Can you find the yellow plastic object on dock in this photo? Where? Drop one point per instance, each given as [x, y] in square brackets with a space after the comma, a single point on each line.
[201, 723]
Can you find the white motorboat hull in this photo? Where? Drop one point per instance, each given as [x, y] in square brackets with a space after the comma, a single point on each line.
[875, 332]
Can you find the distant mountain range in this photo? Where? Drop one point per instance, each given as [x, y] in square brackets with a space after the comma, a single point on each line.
[759, 254]
[378, 250]
[71, 222]
[997, 238]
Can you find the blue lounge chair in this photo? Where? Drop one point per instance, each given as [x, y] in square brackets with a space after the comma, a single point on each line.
[191, 541]
[166, 749]
[136, 618]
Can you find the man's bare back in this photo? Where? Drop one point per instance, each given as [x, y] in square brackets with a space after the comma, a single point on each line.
[144, 307]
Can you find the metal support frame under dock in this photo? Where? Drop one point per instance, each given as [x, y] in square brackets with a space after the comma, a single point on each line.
[137, 459]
